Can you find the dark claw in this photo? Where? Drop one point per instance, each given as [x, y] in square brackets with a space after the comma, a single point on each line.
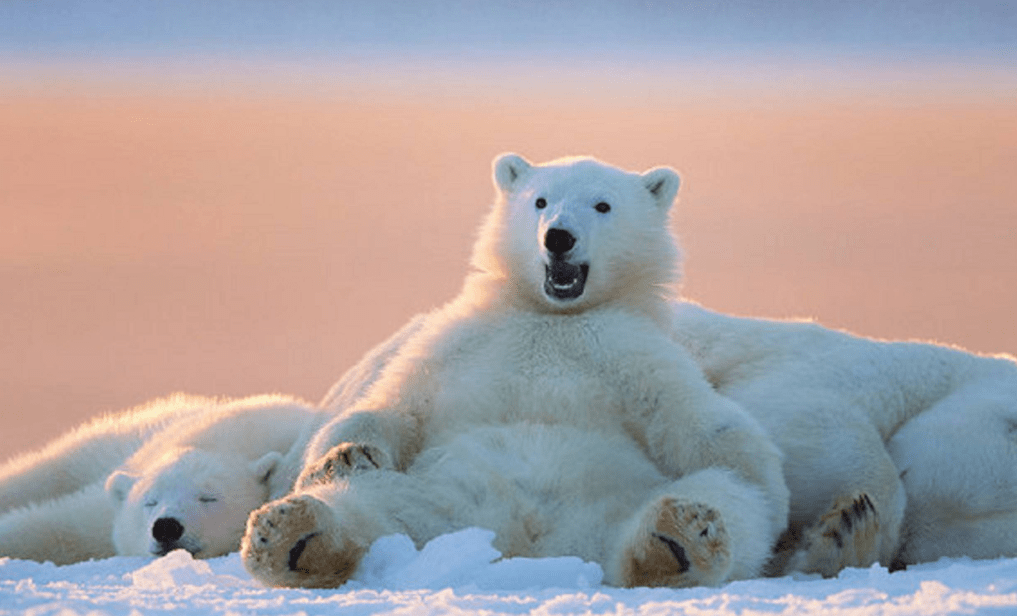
[836, 539]
[859, 506]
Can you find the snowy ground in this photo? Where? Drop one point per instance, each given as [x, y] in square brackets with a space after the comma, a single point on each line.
[461, 574]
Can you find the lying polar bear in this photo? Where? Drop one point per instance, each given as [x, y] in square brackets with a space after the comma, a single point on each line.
[181, 472]
[547, 403]
[896, 452]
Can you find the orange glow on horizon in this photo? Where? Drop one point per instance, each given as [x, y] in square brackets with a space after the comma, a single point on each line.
[239, 244]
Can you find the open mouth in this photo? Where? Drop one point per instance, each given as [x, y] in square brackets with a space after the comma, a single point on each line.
[563, 280]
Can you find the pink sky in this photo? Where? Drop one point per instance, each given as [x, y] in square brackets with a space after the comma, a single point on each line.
[238, 243]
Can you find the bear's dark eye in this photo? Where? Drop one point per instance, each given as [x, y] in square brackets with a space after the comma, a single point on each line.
[151, 503]
[541, 203]
[208, 499]
[603, 207]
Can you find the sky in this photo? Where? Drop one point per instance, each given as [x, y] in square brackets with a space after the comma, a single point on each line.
[231, 198]
[602, 48]
[94, 30]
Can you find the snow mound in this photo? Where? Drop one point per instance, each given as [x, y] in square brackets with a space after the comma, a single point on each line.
[179, 568]
[466, 559]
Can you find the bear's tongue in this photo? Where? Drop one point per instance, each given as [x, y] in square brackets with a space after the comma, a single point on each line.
[565, 280]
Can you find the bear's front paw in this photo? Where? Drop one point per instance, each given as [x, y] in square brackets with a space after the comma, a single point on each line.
[290, 543]
[343, 460]
[846, 536]
[678, 544]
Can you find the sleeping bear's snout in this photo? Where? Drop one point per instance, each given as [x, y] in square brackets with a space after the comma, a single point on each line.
[168, 534]
[167, 531]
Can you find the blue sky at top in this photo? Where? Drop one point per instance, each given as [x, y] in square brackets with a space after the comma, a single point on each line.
[974, 32]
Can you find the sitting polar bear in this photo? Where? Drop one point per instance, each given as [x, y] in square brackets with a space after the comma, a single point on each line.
[548, 403]
[179, 473]
[896, 452]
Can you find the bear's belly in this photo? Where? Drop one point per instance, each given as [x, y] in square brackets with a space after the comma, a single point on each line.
[546, 490]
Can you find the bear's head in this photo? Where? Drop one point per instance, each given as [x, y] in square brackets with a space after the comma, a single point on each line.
[575, 233]
[191, 499]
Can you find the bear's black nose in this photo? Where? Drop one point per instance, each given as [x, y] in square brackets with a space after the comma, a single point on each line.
[167, 530]
[559, 241]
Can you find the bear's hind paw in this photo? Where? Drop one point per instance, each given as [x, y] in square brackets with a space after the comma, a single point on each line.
[679, 544]
[286, 544]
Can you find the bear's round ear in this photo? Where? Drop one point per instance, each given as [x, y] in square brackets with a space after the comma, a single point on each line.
[508, 169]
[262, 467]
[662, 182]
[119, 485]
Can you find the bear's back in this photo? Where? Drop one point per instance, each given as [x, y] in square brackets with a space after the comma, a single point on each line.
[246, 428]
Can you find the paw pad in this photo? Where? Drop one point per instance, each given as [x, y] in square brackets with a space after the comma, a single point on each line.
[286, 545]
[687, 545]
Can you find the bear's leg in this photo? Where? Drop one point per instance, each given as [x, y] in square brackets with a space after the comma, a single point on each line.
[70, 529]
[704, 529]
[317, 538]
[847, 499]
[848, 535]
[861, 527]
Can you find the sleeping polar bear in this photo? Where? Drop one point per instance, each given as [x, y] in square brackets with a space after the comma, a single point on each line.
[547, 403]
[181, 472]
[896, 452]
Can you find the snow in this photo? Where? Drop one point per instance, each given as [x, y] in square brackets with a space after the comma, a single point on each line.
[462, 574]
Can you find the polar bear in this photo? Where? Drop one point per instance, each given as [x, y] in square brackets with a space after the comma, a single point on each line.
[201, 466]
[895, 452]
[546, 402]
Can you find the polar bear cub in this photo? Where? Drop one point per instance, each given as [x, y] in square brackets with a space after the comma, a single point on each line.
[198, 468]
[546, 402]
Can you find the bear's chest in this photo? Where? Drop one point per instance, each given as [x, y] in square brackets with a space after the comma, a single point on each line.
[548, 372]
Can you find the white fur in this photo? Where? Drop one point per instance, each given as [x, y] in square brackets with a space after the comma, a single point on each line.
[553, 421]
[203, 462]
[928, 432]
[89, 452]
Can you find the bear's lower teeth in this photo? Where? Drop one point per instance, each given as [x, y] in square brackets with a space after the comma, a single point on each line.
[565, 281]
